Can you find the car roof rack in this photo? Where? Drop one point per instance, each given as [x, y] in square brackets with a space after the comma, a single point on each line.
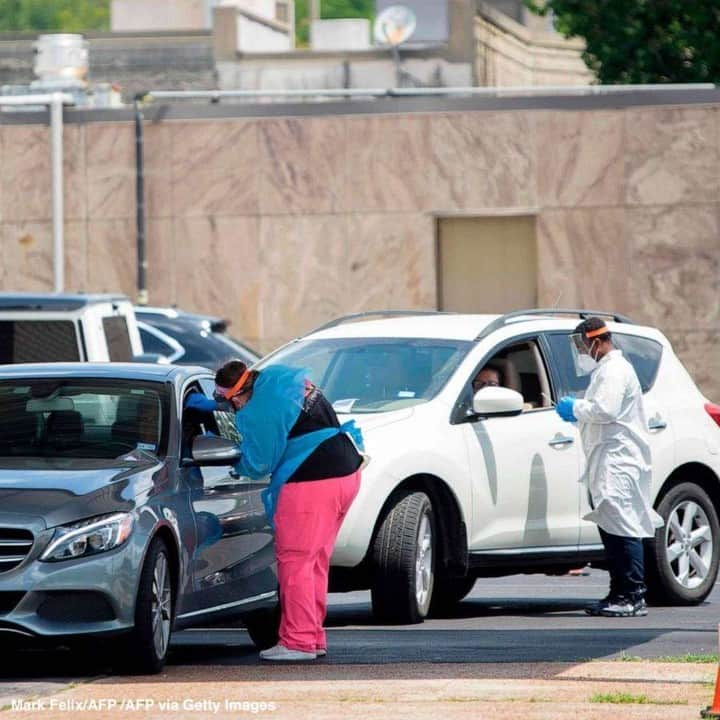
[376, 313]
[584, 314]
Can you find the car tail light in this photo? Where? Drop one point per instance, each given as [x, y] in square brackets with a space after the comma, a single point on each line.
[713, 411]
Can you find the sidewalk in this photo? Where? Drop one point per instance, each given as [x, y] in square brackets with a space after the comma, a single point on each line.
[538, 691]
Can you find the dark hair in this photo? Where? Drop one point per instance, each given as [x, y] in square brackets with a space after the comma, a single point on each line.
[593, 323]
[231, 372]
[495, 368]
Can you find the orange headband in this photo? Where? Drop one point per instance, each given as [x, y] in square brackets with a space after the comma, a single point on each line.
[595, 333]
[235, 389]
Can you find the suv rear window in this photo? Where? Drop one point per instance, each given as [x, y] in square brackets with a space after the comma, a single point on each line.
[29, 341]
[644, 355]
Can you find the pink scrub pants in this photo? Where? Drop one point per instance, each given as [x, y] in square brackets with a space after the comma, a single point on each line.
[307, 522]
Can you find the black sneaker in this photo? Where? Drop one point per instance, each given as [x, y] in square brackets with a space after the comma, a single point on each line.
[624, 607]
[596, 607]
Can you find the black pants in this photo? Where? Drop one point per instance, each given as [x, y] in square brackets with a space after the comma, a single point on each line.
[625, 560]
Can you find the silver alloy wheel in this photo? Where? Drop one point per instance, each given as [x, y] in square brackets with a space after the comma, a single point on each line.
[161, 606]
[423, 562]
[689, 544]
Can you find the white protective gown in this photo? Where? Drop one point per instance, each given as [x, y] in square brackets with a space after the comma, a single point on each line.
[613, 428]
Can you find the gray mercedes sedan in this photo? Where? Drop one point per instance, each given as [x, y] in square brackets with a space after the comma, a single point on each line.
[121, 516]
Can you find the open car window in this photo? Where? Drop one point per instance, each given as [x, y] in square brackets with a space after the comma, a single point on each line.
[521, 368]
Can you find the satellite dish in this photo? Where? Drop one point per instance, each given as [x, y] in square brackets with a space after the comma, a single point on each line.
[394, 25]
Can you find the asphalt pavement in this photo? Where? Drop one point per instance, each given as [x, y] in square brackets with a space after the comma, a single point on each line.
[518, 619]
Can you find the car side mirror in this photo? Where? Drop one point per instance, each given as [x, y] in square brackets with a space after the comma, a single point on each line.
[210, 450]
[497, 402]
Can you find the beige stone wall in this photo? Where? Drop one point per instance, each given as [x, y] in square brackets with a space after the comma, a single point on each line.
[132, 15]
[510, 54]
[283, 223]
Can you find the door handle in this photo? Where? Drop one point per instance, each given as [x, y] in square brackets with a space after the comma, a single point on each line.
[656, 423]
[560, 440]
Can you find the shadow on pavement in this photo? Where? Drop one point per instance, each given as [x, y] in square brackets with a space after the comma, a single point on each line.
[359, 614]
[404, 650]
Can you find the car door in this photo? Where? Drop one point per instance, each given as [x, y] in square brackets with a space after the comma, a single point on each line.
[525, 467]
[233, 565]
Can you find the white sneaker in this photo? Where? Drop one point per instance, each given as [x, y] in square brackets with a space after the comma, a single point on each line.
[281, 653]
[320, 652]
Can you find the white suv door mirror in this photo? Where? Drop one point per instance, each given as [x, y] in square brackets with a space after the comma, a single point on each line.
[497, 401]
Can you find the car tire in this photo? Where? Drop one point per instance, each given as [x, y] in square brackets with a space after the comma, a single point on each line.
[448, 593]
[144, 650]
[682, 559]
[403, 554]
[263, 626]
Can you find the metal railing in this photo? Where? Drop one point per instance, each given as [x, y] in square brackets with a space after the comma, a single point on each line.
[519, 91]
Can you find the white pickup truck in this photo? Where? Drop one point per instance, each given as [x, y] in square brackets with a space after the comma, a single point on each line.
[67, 328]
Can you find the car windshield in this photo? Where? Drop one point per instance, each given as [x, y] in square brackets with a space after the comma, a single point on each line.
[370, 375]
[91, 420]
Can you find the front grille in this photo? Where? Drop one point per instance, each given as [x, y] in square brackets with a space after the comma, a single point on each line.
[15, 546]
[8, 601]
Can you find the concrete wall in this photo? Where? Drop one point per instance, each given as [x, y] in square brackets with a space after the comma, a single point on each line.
[254, 36]
[508, 53]
[281, 223]
[133, 15]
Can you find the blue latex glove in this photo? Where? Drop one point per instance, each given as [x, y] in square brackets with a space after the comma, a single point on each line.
[564, 409]
[198, 401]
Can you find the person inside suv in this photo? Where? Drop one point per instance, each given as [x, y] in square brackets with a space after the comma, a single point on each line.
[488, 376]
[492, 375]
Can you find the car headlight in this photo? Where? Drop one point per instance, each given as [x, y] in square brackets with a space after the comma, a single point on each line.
[89, 537]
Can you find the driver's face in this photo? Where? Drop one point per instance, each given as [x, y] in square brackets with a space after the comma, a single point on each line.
[486, 378]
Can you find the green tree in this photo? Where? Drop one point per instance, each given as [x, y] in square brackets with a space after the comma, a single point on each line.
[643, 41]
[329, 9]
[59, 15]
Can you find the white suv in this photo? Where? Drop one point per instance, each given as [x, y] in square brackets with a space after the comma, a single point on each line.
[465, 485]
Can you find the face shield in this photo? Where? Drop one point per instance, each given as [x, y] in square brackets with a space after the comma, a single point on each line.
[584, 362]
[223, 404]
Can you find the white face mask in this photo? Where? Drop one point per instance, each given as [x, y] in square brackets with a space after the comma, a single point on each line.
[586, 364]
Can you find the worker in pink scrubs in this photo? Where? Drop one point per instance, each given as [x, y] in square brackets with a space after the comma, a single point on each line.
[290, 431]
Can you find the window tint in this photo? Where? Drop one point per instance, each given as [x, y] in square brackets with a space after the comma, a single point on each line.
[568, 381]
[50, 419]
[153, 344]
[118, 338]
[643, 354]
[27, 341]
